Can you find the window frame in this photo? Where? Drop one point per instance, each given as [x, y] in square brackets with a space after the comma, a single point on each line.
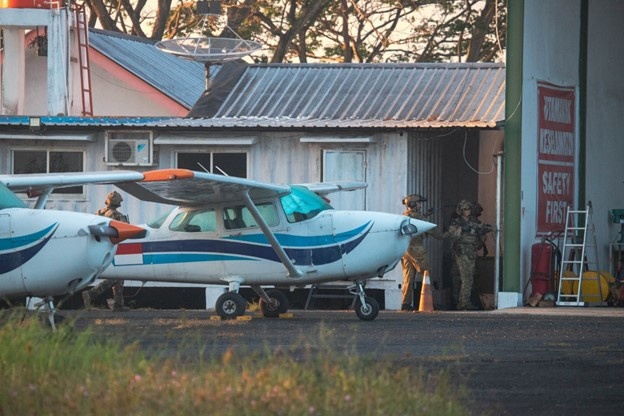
[52, 149]
[210, 153]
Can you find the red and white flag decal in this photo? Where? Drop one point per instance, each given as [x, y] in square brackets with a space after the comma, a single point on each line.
[128, 254]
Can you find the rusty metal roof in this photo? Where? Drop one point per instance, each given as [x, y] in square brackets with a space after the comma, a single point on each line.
[401, 95]
[181, 79]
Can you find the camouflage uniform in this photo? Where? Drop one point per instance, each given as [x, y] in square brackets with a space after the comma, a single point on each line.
[415, 260]
[466, 235]
[113, 201]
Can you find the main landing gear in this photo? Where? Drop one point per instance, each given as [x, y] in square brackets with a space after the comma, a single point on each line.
[231, 305]
[274, 302]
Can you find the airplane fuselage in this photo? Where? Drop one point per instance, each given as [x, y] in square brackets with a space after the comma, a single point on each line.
[332, 245]
[49, 253]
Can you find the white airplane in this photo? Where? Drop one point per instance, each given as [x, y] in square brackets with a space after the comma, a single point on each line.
[239, 232]
[47, 253]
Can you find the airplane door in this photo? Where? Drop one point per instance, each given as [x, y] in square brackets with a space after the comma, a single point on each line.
[10, 265]
[329, 258]
[346, 165]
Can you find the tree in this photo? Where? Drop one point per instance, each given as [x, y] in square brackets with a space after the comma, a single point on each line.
[328, 30]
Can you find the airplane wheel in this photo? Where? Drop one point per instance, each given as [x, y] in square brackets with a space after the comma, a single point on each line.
[278, 305]
[230, 305]
[368, 310]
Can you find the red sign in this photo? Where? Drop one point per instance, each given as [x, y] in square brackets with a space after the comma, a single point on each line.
[556, 155]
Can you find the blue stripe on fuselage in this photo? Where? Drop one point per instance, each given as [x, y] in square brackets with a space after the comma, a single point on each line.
[13, 260]
[255, 247]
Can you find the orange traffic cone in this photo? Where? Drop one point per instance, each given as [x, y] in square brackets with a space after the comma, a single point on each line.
[426, 297]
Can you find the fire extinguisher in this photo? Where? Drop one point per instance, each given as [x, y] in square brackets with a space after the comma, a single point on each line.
[543, 260]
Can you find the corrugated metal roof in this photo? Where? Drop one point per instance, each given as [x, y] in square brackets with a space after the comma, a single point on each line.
[182, 80]
[70, 121]
[362, 96]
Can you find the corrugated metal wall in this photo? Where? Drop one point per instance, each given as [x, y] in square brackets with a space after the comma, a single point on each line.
[424, 165]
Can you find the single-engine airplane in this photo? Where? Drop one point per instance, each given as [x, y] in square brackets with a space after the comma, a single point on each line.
[239, 232]
[46, 253]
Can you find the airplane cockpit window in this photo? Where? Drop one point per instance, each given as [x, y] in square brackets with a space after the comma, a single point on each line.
[158, 222]
[302, 204]
[238, 216]
[8, 199]
[194, 221]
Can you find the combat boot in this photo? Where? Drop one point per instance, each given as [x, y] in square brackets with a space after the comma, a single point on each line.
[119, 308]
[118, 302]
[86, 299]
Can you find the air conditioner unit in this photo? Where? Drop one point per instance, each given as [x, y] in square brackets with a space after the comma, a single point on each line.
[128, 152]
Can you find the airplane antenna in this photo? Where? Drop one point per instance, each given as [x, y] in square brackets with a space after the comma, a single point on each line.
[216, 167]
[203, 167]
[221, 170]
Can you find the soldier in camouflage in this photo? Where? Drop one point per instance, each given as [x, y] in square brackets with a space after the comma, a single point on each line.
[465, 233]
[415, 260]
[113, 201]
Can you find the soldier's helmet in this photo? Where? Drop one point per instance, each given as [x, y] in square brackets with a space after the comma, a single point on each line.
[463, 205]
[413, 200]
[114, 199]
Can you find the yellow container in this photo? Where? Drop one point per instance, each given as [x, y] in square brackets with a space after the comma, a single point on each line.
[567, 287]
[589, 289]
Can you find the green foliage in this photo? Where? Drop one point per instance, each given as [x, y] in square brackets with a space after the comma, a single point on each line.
[331, 30]
[69, 372]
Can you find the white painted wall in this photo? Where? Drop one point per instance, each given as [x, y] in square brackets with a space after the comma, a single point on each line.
[605, 118]
[44, 90]
[551, 53]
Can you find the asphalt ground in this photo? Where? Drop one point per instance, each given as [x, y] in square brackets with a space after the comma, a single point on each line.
[519, 361]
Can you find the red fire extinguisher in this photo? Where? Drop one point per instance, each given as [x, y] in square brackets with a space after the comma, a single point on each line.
[541, 268]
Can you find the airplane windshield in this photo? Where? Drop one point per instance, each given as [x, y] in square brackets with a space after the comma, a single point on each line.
[302, 204]
[158, 222]
[8, 199]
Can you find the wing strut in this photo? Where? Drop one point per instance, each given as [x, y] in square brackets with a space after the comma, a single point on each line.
[293, 272]
[43, 198]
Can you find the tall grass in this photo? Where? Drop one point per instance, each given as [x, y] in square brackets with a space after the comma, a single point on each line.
[73, 373]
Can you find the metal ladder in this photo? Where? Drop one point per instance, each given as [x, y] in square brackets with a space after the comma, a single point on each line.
[575, 259]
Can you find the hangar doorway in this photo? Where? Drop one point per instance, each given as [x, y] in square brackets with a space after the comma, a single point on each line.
[447, 166]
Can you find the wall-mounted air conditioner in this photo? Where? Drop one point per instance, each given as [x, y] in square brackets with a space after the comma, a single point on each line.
[129, 149]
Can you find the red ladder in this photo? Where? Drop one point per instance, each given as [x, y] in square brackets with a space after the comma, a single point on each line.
[83, 59]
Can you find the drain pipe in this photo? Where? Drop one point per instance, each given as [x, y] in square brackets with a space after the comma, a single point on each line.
[513, 150]
[499, 178]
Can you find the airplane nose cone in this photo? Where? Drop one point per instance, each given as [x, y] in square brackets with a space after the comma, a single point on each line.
[117, 231]
[416, 227]
[125, 231]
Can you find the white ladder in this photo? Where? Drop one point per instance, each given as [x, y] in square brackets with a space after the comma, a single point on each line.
[578, 256]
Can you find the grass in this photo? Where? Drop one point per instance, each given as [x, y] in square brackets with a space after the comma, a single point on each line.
[71, 372]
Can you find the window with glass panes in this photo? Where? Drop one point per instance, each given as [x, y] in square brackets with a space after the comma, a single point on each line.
[222, 163]
[49, 161]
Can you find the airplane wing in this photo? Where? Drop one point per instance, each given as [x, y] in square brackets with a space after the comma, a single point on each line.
[186, 187]
[167, 186]
[41, 182]
[324, 188]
